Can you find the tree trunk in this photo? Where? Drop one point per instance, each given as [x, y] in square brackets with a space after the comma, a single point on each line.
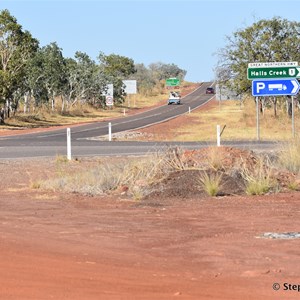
[2, 115]
[275, 106]
[7, 109]
[26, 103]
[52, 103]
[289, 106]
[62, 104]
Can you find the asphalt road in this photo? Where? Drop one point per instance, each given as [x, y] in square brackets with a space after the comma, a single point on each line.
[52, 143]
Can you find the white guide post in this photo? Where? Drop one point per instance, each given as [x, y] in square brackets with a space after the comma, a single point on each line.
[69, 156]
[109, 131]
[218, 135]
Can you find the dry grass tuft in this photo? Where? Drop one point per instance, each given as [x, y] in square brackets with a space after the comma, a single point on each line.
[258, 179]
[289, 156]
[210, 182]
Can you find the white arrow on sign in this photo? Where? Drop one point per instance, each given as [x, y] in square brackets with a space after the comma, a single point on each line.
[296, 86]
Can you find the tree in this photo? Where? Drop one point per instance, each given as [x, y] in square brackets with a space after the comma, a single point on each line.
[144, 78]
[116, 68]
[16, 48]
[271, 40]
[85, 80]
[34, 81]
[162, 71]
[54, 71]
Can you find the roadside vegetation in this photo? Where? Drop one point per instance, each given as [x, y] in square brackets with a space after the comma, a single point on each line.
[173, 171]
[239, 119]
[34, 77]
[41, 87]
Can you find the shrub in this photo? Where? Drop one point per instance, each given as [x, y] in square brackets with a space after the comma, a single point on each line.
[289, 156]
[210, 182]
[258, 179]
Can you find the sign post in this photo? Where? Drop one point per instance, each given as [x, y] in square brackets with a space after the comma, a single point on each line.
[257, 120]
[293, 117]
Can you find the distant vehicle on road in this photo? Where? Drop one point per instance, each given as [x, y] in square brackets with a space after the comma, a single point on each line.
[174, 98]
[210, 90]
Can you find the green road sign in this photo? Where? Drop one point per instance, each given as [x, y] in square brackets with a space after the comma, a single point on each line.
[273, 72]
[172, 82]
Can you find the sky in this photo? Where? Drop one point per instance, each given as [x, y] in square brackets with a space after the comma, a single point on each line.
[187, 33]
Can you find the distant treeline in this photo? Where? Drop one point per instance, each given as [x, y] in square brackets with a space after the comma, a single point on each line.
[40, 75]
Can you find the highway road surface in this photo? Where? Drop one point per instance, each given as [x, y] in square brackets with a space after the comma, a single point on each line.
[52, 143]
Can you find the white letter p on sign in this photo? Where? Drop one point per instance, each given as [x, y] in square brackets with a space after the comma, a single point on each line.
[260, 86]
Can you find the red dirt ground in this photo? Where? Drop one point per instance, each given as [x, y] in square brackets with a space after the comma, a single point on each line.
[56, 245]
[67, 246]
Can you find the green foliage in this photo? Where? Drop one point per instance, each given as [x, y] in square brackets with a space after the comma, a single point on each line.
[43, 75]
[161, 71]
[116, 68]
[146, 82]
[16, 48]
[155, 76]
[116, 65]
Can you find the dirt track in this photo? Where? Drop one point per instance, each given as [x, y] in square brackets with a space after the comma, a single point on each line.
[66, 246]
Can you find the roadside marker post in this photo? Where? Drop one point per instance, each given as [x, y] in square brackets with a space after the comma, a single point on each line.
[69, 156]
[109, 131]
[218, 135]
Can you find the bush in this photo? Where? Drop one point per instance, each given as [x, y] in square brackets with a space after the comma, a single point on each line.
[258, 180]
[210, 182]
[289, 156]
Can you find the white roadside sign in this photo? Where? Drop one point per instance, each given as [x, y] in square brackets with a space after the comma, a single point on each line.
[109, 90]
[130, 86]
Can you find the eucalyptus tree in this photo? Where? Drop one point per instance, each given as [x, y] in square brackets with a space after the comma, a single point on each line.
[116, 68]
[16, 48]
[144, 78]
[68, 92]
[85, 76]
[161, 71]
[54, 71]
[271, 40]
[34, 81]
[85, 81]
